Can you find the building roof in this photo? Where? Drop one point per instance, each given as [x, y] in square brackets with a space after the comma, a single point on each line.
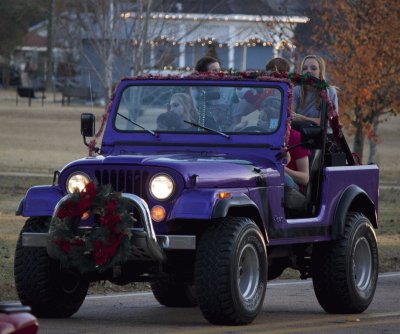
[253, 7]
[33, 39]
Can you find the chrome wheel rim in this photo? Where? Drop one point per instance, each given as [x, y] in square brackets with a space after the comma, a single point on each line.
[248, 272]
[362, 264]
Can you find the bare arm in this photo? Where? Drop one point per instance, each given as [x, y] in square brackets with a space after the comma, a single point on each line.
[301, 176]
[299, 117]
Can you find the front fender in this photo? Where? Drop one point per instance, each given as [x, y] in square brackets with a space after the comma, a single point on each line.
[194, 204]
[355, 199]
[39, 201]
[206, 204]
[222, 207]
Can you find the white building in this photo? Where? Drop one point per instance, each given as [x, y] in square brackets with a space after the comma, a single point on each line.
[170, 38]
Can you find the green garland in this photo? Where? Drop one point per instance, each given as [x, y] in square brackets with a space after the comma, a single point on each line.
[106, 244]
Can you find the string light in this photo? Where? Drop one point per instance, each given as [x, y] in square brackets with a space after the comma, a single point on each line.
[208, 41]
[219, 17]
[266, 21]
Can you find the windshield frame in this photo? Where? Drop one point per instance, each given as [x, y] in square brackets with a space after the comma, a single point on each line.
[125, 140]
[191, 84]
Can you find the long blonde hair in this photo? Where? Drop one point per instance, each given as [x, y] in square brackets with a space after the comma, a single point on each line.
[186, 101]
[322, 76]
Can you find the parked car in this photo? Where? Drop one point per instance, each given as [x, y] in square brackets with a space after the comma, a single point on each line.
[16, 319]
[210, 221]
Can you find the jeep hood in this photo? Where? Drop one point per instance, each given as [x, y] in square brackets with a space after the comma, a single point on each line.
[209, 170]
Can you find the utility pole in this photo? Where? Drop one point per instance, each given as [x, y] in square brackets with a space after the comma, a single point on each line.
[50, 44]
[110, 57]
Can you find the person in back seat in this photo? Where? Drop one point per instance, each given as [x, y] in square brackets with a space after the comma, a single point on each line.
[297, 166]
[297, 172]
[306, 100]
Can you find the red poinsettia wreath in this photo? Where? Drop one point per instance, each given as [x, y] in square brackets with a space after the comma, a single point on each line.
[106, 244]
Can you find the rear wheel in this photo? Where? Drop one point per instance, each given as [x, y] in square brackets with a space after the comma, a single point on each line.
[231, 271]
[171, 292]
[345, 272]
[41, 282]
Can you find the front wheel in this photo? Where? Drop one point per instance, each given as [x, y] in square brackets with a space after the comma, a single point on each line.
[345, 272]
[41, 283]
[231, 271]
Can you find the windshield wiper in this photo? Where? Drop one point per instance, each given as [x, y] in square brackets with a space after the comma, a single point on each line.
[208, 129]
[138, 125]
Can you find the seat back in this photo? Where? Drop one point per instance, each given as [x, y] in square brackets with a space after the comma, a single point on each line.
[303, 204]
[311, 191]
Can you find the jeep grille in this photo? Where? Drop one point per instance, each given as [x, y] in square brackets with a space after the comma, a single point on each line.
[124, 180]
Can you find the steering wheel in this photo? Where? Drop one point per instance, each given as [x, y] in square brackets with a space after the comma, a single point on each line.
[253, 128]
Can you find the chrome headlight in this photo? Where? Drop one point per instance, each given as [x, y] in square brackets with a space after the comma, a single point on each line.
[77, 182]
[162, 186]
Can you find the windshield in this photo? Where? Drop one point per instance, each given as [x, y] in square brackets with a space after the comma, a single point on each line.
[199, 109]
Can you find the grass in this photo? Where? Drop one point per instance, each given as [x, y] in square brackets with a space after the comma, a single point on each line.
[13, 189]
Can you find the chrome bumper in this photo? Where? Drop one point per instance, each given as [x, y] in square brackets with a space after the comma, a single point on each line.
[146, 245]
[30, 239]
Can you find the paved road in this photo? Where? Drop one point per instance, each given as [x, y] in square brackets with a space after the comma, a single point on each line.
[289, 307]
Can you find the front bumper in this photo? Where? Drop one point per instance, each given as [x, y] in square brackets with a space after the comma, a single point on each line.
[146, 245]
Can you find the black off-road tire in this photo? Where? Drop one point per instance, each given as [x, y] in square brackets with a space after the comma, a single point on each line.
[231, 271]
[41, 283]
[345, 272]
[171, 292]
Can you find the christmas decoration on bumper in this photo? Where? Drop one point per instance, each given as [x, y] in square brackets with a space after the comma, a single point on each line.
[101, 246]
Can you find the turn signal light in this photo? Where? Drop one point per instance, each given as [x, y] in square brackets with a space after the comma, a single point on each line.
[223, 195]
[157, 213]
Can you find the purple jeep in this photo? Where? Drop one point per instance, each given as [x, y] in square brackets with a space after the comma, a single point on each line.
[213, 221]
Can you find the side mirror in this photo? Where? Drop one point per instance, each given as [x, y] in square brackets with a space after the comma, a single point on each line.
[87, 125]
[312, 137]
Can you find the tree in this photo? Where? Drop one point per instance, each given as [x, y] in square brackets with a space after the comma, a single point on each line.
[362, 43]
[97, 24]
[15, 18]
[111, 29]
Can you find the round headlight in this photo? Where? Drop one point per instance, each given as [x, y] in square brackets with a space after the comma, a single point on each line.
[77, 182]
[162, 186]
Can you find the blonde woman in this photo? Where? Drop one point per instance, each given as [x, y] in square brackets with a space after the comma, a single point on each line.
[306, 99]
[181, 105]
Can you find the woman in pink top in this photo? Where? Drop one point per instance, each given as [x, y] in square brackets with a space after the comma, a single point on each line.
[297, 172]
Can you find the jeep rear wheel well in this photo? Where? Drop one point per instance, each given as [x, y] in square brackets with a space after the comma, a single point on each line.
[353, 199]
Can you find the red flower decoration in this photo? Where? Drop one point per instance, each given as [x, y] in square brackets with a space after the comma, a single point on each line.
[104, 252]
[64, 245]
[78, 242]
[73, 209]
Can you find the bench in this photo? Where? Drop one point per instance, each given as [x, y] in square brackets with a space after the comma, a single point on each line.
[83, 93]
[29, 93]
